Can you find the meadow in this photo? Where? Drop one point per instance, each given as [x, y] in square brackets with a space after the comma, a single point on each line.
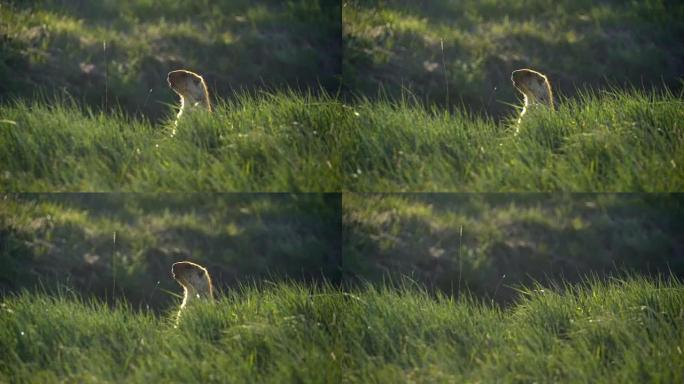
[516, 280]
[118, 246]
[84, 104]
[111, 55]
[435, 109]
[491, 245]
[461, 53]
[291, 142]
[282, 142]
[297, 112]
[614, 331]
[608, 141]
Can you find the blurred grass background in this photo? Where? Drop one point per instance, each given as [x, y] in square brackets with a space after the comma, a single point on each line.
[122, 245]
[118, 245]
[461, 53]
[492, 244]
[117, 53]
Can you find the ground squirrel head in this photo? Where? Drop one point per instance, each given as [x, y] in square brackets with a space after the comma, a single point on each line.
[191, 88]
[194, 279]
[534, 86]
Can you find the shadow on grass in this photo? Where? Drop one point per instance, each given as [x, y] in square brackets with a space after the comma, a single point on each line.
[493, 244]
[471, 48]
[122, 245]
[118, 54]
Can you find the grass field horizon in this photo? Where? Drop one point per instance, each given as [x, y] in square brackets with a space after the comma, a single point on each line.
[619, 330]
[491, 244]
[117, 246]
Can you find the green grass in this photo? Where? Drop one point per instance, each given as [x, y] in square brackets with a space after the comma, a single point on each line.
[623, 331]
[123, 245]
[617, 127]
[110, 54]
[265, 142]
[599, 141]
[453, 52]
[278, 334]
[618, 332]
[491, 244]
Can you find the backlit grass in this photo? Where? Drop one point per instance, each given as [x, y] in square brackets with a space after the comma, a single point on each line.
[621, 331]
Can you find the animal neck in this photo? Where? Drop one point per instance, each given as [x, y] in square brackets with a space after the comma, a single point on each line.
[532, 100]
[195, 103]
[205, 99]
[192, 294]
[540, 97]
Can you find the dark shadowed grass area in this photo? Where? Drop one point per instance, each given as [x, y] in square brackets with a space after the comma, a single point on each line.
[110, 54]
[627, 331]
[451, 53]
[120, 245]
[491, 244]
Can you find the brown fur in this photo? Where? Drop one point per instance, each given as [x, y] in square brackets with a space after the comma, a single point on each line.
[192, 90]
[535, 88]
[195, 281]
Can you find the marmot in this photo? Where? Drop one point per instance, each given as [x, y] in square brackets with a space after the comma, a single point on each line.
[192, 90]
[535, 88]
[195, 281]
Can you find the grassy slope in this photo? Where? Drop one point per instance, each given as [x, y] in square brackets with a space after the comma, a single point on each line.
[625, 331]
[274, 142]
[449, 52]
[608, 141]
